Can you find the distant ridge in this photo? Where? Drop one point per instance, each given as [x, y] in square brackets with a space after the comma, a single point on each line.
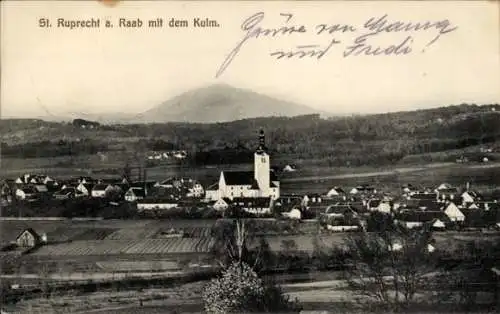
[221, 103]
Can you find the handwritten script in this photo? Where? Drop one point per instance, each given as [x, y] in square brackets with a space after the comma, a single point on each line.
[377, 36]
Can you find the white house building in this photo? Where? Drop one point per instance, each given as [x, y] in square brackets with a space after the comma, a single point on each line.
[454, 213]
[258, 183]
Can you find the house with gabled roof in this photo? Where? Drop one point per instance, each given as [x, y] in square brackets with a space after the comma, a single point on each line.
[221, 204]
[86, 179]
[27, 192]
[28, 238]
[443, 186]
[253, 205]
[418, 219]
[41, 188]
[336, 192]
[409, 189]
[145, 185]
[470, 197]
[67, 193]
[339, 210]
[363, 189]
[100, 190]
[453, 212]
[134, 194]
[450, 194]
[289, 168]
[212, 192]
[85, 188]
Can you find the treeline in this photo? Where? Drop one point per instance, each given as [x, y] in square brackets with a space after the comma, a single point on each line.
[52, 148]
[355, 140]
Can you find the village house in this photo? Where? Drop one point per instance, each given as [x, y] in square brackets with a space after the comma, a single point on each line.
[253, 205]
[101, 190]
[68, 193]
[28, 238]
[445, 192]
[134, 194]
[379, 205]
[409, 190]
[221, 204]
[423, 195]
[146, 185]
[86, 179]
[337, 193]
[481, 218]
[29, 179]
[289, 168]
[156, 204]
[295, 214]
[212, 192]
[363, 191]
[27, 192]
[288, 202]
[340, 210]
[41, 188]
[453, 212]
[342, 227]
[85, 188]
[188, 187]
[469, 198]
[419, 219]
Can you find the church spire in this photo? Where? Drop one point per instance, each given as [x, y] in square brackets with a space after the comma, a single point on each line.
[262, 142]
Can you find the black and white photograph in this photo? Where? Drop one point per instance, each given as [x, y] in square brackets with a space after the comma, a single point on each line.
[249, 157]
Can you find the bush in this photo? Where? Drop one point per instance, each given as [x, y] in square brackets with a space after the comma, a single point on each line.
[234, 291]
[241, 290]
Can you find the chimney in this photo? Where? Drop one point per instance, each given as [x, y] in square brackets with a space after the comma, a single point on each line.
[467, 186]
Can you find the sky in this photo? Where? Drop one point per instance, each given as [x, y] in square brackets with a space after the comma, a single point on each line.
[55, 70]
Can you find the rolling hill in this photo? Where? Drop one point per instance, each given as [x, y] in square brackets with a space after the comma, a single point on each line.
[438, 135]
[220, 103]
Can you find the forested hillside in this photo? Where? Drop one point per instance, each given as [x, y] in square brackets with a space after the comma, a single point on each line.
[354, 140]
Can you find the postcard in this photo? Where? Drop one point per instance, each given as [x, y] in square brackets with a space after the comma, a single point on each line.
[249, 156]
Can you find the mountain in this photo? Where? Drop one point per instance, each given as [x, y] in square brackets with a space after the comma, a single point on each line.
[221, 103]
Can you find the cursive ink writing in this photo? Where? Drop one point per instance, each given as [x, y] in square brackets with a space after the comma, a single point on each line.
[330, 29]
[305, 51]
[361, 47]
[363, 37]
[253, 30]
[377, 26]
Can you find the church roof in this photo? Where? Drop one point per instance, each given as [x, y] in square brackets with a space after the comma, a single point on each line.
[213, 187]
[239, 177]
[246, 178]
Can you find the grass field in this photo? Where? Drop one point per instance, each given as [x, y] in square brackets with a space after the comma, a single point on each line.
[482, 177]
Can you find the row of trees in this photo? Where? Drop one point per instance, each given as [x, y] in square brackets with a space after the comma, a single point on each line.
[357, 140]
[390, 269]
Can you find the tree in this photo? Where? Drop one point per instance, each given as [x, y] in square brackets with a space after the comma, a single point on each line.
[232, 240]
[234, 291]
[240, 289]
[127, 172]
[389, 266]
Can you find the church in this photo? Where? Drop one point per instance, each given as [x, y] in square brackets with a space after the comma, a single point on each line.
[248, 184]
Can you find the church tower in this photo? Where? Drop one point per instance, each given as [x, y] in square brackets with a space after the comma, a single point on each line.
[262, 166]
